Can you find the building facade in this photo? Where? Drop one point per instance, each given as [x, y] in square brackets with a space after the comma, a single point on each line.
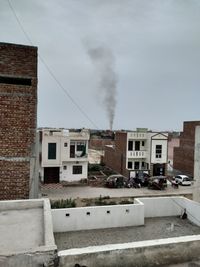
[18, 123]
[138, 151]
[184, 154]
[64, 155]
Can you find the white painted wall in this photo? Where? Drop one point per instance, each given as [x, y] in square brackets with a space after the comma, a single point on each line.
[124, 215]
[50, 162]
[149, 147]
[157, 252]
[60, 137]
[193, 211]
[67, 175]
[119, 216]
[163, 158]
[163, 206]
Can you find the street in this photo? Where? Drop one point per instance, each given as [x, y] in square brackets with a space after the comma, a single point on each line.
[57, 191]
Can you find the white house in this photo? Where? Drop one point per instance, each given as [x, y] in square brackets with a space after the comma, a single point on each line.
[64, 155]
[139, 150]
[147, 151]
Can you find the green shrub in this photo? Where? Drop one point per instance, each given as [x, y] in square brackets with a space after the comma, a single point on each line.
[63, 203]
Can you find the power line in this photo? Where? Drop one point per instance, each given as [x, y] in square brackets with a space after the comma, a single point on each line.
[50, 71]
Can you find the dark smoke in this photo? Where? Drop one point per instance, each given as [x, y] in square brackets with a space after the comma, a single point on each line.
[104, 61]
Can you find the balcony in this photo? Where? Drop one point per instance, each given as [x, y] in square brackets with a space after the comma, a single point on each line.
[137, 135]
[137, 154]
[78, 157]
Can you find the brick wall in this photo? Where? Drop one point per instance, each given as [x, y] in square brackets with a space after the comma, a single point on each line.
[18, 111]
[115, 157]
[100, 144]
[184, 155]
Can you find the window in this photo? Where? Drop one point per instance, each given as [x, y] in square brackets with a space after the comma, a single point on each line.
[130, 145]
[136, 165]
[158, 151]
[130, 164]
[15, 80]
[143, 164]
[80, 147]
[77, 169]
[65, 144]
[51, 150]
[142, 143]
[137, 145]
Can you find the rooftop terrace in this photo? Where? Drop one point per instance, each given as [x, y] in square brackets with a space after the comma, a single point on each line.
[154, 228]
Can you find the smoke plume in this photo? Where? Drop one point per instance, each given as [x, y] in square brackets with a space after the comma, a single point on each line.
[104, 61]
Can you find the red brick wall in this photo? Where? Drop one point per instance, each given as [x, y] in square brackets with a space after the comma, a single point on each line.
[184, 155]
[100, 144]
[18, 111]
[115, 158]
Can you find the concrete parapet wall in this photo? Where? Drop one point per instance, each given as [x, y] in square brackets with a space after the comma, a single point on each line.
[143, 253]
[147, 253]
[75, 219]
[163, 206]
[193, 211]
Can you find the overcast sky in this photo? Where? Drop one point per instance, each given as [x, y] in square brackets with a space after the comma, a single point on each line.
[146, 51]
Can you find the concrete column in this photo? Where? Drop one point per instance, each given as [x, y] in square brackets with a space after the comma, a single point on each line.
[34, 170]
[196, 191]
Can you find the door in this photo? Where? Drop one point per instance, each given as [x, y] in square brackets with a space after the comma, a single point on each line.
[51, 175]
[72, 151]
[158, 169]
[137, 145]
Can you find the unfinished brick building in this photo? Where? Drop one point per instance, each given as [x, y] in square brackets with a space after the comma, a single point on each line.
[18, 111]
[184, 154]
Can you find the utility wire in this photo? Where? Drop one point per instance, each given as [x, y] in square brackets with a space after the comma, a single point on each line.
[49, 70]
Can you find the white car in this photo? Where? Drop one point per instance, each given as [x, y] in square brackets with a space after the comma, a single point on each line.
[183, 180]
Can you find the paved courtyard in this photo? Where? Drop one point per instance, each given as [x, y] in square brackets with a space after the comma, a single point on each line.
[154, 228]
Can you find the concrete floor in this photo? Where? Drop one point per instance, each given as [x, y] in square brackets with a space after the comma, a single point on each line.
[154, 228]
[21, 230]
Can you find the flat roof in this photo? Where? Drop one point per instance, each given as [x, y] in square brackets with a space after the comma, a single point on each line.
[25, 226]
[21, 230]
[154, 228]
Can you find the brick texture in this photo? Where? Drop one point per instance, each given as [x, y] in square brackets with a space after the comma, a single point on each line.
[115, 157]
[100, 144]
[184, 155]
[18, 109]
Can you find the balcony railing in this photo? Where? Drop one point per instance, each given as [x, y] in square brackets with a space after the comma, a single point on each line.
[137, 135]
[137, 154]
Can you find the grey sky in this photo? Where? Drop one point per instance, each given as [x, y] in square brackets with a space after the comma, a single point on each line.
[156, 49]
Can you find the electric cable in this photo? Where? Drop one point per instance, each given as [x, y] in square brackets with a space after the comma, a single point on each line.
[50, 71]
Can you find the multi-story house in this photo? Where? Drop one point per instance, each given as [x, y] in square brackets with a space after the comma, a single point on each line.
[184, 154]
[64, 155]
[136, 151]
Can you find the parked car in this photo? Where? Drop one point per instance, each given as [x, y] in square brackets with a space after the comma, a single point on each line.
[157, 182]
[116, 181]
[183, 180]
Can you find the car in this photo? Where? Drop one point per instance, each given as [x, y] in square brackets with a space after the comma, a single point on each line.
[183, 179]
[116, 181]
